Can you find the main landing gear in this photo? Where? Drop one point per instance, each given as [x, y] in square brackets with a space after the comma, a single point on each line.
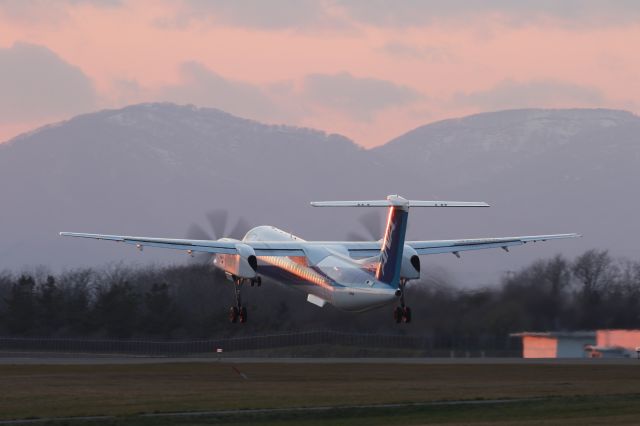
[402, 313]
[238, 313]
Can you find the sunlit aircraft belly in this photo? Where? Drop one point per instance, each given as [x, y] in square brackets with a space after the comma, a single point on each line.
[336, 279]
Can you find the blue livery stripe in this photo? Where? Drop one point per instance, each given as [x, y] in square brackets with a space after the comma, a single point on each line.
[392, 247]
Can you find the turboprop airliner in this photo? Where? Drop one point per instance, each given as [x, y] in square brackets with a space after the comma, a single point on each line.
[350, 275]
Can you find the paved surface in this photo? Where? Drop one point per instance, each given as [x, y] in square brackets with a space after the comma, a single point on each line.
[276, 410]
[25, 358]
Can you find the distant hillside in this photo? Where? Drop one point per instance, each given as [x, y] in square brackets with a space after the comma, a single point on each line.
[542, 171]
[154, 169]
[482, 146]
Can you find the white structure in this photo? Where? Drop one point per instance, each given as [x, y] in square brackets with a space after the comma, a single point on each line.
[580, 344]
[556, 344]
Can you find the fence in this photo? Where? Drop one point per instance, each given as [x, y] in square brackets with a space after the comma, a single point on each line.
[313, 343]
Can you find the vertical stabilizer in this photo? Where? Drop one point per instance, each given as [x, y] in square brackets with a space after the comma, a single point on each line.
[388, 270]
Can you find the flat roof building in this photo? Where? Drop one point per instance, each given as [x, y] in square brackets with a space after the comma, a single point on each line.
[580, 344]
[553, 344]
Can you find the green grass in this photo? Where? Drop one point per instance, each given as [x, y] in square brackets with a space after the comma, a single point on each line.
[573, 392]
[619, 410]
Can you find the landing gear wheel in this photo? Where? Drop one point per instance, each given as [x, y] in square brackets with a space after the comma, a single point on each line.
[406, 314]
[243, 314]
[233, 314]
[402, 313]
[258, 281]
[238, 313]
[398, 314]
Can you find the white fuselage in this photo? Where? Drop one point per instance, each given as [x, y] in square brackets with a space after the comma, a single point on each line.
[327, 272]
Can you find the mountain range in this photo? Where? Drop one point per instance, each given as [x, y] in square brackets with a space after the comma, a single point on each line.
[157, 169]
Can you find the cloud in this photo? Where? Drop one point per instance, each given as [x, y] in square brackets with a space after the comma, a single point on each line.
[35, 83]
[260, 14]
[314, 14]
[411, 51]
[280, 101]
[203, 87]
[360, 97]
[47, 12]
[422, 12]
[537, 93]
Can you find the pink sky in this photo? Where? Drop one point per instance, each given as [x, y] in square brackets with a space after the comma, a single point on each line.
[370, 71]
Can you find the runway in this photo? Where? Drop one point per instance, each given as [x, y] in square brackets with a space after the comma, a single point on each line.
[40, 358]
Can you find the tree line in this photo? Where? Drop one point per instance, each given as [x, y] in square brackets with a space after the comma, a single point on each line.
[591, 291]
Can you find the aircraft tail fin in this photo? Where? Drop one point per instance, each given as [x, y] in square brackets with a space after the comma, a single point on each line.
[388, 270]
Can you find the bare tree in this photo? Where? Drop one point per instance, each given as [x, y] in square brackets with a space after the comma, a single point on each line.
[595, 272]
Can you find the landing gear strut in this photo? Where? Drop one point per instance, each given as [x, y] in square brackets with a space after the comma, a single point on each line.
[402, 313]
[238, 313]
[257, 281]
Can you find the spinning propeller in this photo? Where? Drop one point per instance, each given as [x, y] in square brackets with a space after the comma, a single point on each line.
[372, 222]
[218, 221]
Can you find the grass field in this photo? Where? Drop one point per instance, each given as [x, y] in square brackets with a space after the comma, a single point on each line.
[568, 394]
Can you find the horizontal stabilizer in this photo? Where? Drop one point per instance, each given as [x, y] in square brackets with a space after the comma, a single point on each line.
[395, 200]
[416, 203]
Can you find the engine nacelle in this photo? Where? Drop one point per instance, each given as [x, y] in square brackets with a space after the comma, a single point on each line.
[410, 267]
[242, 265]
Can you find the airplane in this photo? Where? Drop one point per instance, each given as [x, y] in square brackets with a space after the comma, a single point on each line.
[350, 275]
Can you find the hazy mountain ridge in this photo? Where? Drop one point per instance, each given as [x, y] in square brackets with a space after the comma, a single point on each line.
[154, 169]
[498, 140]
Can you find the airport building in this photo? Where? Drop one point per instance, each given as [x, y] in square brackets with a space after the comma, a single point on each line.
[580, 344]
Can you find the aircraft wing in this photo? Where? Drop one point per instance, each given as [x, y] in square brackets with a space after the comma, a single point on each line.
[455, 246]
[370, 249]
[357, 249]
[178, 244]
[276, 248]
